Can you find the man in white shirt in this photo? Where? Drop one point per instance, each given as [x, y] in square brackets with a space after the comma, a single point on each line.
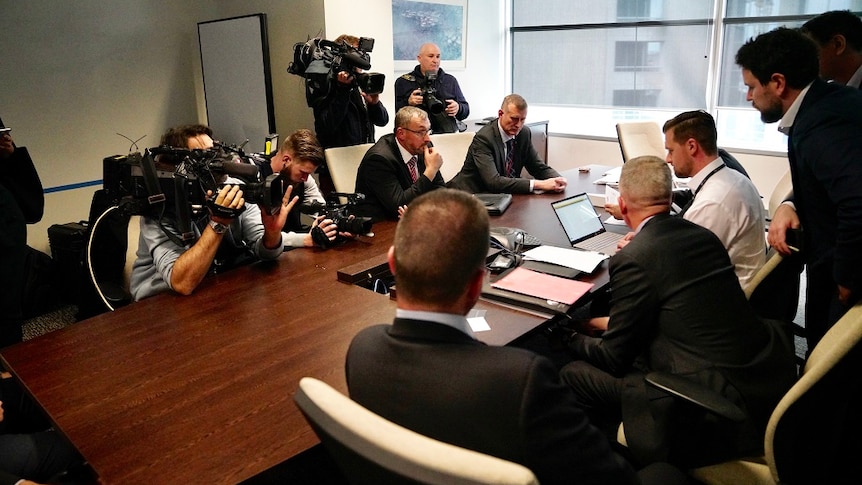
[724, 201]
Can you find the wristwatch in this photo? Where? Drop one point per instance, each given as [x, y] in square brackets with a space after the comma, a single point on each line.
[218, 227]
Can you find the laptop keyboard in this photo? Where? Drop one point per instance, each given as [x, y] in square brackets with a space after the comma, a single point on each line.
[599, 241]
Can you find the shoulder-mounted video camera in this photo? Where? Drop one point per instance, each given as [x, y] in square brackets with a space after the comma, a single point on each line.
[342, 214]
[173, 182]
[319, 61]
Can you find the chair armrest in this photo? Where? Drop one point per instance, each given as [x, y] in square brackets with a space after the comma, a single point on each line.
[695, 393]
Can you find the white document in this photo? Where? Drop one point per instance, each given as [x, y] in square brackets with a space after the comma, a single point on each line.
[612, 196]
[611, 177]
[476, 319]
[586, 261]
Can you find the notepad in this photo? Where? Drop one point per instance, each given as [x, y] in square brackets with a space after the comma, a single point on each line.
[543, 286]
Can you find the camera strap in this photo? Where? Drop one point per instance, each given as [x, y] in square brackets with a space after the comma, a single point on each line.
[183, 210]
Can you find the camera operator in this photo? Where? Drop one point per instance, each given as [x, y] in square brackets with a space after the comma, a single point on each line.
[347, 115]
[21, 202]
[409, 90]
[163, 265]
[298, 157]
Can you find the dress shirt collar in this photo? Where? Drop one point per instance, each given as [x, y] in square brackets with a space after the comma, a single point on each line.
[699, 177]
[643, 223]
[856, 80]
[406, 156]
[503, 135]
[789, 117]
[458, 322]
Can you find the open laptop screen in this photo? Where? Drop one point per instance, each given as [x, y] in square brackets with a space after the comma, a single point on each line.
[578, 217]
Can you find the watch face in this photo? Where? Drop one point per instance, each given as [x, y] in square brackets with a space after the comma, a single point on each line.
[218, 227]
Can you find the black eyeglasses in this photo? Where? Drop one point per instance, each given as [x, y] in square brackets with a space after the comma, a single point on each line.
[421, 133]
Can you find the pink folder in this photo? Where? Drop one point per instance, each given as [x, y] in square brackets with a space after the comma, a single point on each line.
[541, 285]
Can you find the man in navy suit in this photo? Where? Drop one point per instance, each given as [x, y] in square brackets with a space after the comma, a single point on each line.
[427, 371]
[500, 151]
[399, 167]
[823, 122]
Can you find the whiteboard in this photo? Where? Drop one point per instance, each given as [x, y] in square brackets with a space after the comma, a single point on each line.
[237, 82]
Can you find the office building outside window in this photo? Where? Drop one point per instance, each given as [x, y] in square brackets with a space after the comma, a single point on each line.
[588, 65]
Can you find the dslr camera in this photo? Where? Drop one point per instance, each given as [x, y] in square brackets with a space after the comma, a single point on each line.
[430, 101]
[319, 61]
[341, 214]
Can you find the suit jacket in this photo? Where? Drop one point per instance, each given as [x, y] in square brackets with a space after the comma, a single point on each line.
[385, 180]
[689, 319]
[825, 154]
[485, 165]
[502, 401]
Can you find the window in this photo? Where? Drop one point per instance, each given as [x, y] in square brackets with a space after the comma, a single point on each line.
[587, 65]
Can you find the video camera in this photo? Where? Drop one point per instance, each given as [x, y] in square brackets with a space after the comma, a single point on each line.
[341, 214]
[135, 182]
[319, 61]
[430, 101]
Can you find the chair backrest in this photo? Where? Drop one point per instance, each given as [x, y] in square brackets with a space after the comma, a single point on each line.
[814, 430]
[774, 289]
[638, 138]
[343, 163]
[782, 189]
[371, 449]
[453, 148]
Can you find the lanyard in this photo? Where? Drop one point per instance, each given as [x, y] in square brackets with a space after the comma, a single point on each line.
[710, 174]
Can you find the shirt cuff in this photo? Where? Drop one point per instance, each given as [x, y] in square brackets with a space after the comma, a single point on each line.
[532, 183]
[789, 203]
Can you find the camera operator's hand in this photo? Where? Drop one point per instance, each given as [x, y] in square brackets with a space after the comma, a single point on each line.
[7, 146]
[452, 107]
[345, 77]
[329, 228]
[370, 98]
[415, 98]
[433, 162]
[273, 223]
[230, 196]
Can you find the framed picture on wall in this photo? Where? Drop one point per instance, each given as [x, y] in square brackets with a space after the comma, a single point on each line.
[443, 22]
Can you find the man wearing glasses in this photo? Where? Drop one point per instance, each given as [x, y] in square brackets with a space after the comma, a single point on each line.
[399, 167]
[500, 151]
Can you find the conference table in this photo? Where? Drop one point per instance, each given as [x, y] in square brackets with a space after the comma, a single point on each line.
[200, 388]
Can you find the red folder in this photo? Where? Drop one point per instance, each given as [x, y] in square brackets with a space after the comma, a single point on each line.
[541, 285]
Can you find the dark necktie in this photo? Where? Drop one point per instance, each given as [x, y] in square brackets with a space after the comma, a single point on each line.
[411, 164]
[510, 158]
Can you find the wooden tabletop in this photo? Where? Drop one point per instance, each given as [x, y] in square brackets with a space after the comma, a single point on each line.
[200, 388]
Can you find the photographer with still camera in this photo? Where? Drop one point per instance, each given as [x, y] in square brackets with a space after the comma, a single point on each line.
[345, 99]
[227, 232]
[434, 91]
[297, 158]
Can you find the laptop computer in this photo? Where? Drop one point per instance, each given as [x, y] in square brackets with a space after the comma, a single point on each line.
[584, 226]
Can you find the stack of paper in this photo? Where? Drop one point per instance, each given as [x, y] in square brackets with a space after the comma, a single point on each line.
[586, 261]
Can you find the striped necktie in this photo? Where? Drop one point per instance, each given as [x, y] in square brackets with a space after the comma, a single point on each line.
[510, 158]
[411, 164]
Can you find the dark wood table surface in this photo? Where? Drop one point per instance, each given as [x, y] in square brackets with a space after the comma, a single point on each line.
[200, 389]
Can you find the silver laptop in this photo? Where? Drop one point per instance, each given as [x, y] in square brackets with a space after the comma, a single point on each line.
[584, 226]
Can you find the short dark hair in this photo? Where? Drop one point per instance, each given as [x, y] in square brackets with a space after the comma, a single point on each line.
[694, 124]
[178, 136]
[782, 50]
[829, 24]
[303, 145]
[434, 265]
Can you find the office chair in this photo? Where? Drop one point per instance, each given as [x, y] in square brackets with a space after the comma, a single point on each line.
[813, 433]
[782, 190]
[343, 163]
[638, 138]
[370, 449]
[453, 148]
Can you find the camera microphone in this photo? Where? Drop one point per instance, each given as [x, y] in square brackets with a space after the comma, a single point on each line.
[242, 170]
[357, 60]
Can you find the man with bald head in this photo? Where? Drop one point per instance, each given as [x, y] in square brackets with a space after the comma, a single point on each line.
[428, 75]
[676, 307]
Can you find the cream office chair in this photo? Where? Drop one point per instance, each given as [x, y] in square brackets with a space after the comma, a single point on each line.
[453, 148]
[372, 450]
[638, 138]
[343, 162]
[782, 189]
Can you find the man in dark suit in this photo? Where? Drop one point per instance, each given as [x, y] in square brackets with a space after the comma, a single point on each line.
[399, 167]
[676, 306]
[427, 371]
[823, 122]
[838, 35]
[500, 151]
